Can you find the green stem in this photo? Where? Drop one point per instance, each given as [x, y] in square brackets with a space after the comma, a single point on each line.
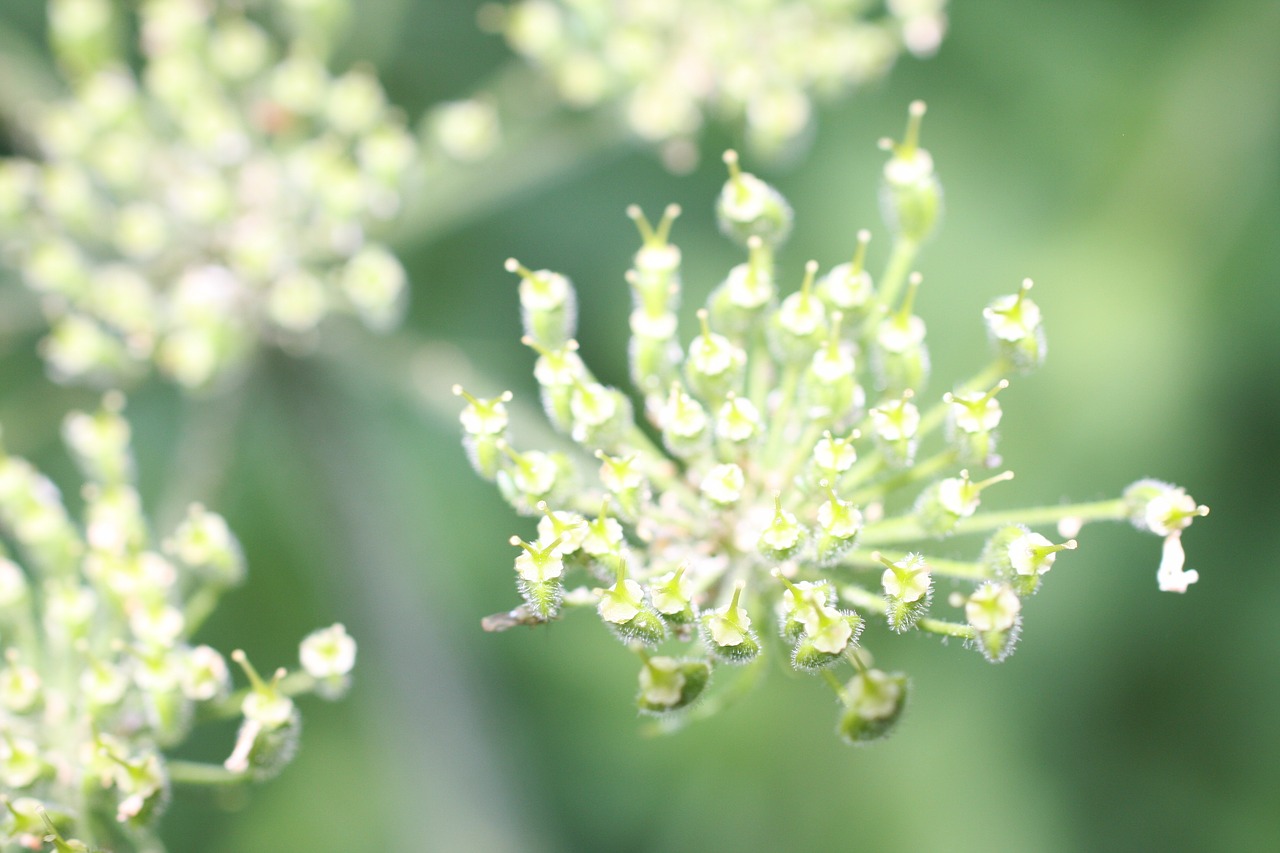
[867, 600]
[946, 629]
[921, 471]
[902, 256]
[780, 419]
[964, 570]
[201, 606]
[907, 529]
[197, 773]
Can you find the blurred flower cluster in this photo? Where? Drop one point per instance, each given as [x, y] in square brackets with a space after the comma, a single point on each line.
[777, 493]
[670, 65]
[218, 198]
[100, 676]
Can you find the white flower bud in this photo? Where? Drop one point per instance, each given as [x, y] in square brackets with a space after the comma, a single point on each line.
[993, 607]
[723, 484]
[328, 653]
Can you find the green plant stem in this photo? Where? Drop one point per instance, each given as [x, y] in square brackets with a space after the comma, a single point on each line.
[907, 528]
[197, 773]
[860, 559]
[920, 471]
[901, 257]
[867, 600]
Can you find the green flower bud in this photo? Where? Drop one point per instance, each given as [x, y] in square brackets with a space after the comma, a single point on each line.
[84, 34]
[828, 632]
[1161, 508]
[626, 482]
[993, 610]
[668, 684]
[376, 284]
[727, 634]
[898, 352]
[784, 536]
[355, 102]
[908, 590]
[830, 390]
[238, 49]
[894, 426]
[142, 785]
[972, 418]
[910, 196]
[601, 417]
[654, 353]
[798, 600]
[538, 574]
[832, 457]
[531, 477]
[1015, 329]
[20, 685]
[20, 762]
[624, 608]
[467, 131]
[873, 702]
[558, 371]
[741, 298]
[714, 367]
[548, 305]
[484, 424]
[737, 421]
[723, 484]
[672, 597]
[655, 273]
[797, 328]
[100, 442]
[748, 207]
[839, 523]
[847, 288]
[941, 506]
[686, 428]
[604, 544]
[297, 302]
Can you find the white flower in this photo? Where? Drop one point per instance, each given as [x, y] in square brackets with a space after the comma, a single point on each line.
[730, 626]
[328, 653]
[908, 579]
[1170, 512]
[1027, 557]
[873, 694]
[1171, 577]
[724, 483]
[661, 682]
[621, 602]
[993, 607]
[828, 629]
[958, 496]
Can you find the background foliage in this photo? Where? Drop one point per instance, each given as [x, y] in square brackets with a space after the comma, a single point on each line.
[1122, 154]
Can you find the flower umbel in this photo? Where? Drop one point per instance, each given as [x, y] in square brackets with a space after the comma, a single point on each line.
[672, 66]
[101, 675]
[758, 489]
[217, 199]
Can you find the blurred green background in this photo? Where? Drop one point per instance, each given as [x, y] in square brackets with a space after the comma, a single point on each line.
[1126, 155]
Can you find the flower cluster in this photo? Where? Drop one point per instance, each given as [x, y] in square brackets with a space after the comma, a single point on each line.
[100, 675]
[218, 198]
[777, 491]
[671, 65]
